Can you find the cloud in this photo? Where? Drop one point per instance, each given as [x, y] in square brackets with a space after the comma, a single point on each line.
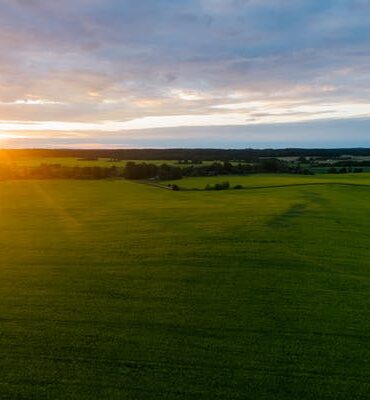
[91, 61]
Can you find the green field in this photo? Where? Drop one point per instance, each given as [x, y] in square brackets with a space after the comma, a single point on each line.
[119, 290]
[255, 181]
[29, 161]
[35, 161]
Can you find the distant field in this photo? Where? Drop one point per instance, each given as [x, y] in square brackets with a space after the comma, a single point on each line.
[70, 161]
[6, 159]
[118, 290]
[268, 180]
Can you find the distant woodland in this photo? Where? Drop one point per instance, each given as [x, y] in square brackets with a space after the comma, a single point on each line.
[179, 163]
[247, 155]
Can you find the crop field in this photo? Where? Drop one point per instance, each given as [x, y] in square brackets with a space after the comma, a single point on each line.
[119, 290]
[7, 158]
[255, 181]
[71, 162]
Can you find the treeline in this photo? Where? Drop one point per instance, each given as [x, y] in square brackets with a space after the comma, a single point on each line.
[144, 170]
[170, 172]
[57, 171]
[150, 171]
[163, 172]
[247, 155]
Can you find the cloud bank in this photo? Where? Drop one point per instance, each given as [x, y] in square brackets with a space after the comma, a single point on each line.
[191, 73]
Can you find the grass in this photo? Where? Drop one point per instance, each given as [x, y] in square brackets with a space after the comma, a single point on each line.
[270, 180]
[116, 290]
[70, 161]
[29, 161]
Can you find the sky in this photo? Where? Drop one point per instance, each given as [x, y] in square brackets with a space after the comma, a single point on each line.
[184, 73]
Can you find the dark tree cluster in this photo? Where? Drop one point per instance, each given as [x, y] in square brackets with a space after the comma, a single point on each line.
[223, 186]
[218, 186]
[152, 171]
[217, 168]
[174, 187]
[170, 172]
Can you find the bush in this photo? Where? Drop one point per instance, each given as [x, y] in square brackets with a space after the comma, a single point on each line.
[174, 187]
[218, 186]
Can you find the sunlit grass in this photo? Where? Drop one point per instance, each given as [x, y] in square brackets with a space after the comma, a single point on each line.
[112, 289]
[269, 180]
